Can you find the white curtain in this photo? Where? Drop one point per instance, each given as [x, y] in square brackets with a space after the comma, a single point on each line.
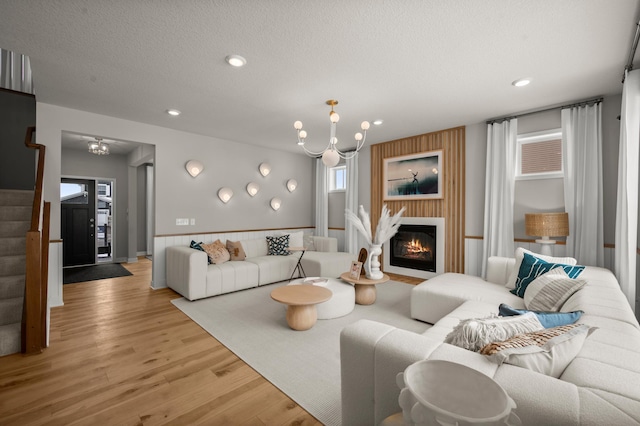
[582, 158]
[322, 199]
[352, 245]
[499, 190]
[627, 204]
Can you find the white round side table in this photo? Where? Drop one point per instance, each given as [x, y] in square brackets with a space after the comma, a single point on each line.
[438, 392]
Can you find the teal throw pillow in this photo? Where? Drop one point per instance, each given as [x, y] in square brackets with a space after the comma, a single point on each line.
[532, 267]
[197, 246]
[278, 246]
[547, 319]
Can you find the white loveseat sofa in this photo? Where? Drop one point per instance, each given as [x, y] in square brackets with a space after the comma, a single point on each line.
[189, 274]
[601, 386]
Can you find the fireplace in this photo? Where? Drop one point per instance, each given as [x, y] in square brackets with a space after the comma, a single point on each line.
[414, 246]
[417, 249]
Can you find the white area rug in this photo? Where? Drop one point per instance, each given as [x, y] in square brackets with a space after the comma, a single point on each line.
[305, 365]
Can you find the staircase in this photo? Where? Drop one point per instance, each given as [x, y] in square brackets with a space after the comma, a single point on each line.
[15, 216]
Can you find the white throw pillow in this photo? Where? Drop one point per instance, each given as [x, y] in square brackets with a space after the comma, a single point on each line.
[296, 239]
[548, 351]
[549, 291]
[309, 243]
[519, 255]
[475, 333]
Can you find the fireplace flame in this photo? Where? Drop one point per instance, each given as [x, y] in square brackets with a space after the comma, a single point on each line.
[415, 247]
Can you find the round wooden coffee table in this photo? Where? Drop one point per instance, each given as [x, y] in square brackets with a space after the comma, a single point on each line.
[301, 303]
[365, 288]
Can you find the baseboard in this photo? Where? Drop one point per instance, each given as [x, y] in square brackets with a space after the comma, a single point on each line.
[142, 253]
[132, 260]
[156, 285]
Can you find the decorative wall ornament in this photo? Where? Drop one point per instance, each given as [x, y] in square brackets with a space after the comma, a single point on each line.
[253, 188]
[387, 228]
[194, 167]
[276, 203]
[292, 184]
[265, 169]
[225, 194]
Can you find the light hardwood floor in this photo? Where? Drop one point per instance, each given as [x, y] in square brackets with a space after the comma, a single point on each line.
[122, 354]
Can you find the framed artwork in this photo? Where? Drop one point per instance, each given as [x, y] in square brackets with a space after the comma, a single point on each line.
[413, 177]
[356, 267]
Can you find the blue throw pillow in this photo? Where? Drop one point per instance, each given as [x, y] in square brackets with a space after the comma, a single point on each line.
[547, 319]
[532, 267]
[197, 246]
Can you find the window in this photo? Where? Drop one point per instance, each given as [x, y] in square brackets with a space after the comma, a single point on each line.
[73, 193]
[338, 178]
[540, 155]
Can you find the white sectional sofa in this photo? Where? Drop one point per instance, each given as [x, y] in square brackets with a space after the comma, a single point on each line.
[189, 274]
[601, 386]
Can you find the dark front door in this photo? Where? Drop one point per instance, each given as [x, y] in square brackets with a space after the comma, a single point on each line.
[78, 211]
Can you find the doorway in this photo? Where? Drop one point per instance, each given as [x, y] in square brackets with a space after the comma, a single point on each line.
[87, 209]
[77, 216]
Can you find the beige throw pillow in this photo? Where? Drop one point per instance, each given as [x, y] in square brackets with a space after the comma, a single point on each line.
[547, 351]
[549, 291]
[236, 252]
[217, 252]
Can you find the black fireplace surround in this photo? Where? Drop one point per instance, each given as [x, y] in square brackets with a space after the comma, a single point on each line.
[414, 247]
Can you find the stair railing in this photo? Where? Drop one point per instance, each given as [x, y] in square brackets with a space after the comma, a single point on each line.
[34, 313]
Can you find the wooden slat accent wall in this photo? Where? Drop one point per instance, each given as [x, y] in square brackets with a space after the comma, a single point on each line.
[451, 207]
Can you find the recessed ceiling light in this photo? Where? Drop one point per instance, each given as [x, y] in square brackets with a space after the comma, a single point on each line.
[521, 82]
[377, 122]
[173, 112]
[236, 60]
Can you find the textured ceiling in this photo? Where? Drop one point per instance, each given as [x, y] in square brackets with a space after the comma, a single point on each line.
[420, 65]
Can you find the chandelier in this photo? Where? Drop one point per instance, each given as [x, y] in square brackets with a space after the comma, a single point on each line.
[98, 147]
[331, 155]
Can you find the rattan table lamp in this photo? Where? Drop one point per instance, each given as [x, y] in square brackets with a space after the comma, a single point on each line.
[546, 225]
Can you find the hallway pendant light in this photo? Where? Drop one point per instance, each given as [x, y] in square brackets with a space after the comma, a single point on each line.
[98, 147]
[331, 155]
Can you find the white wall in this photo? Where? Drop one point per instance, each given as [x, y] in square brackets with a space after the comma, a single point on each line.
[544, 193]
[337, 200]
[337, 203]
[177, 194]
[77, 163]
[141, 246]
[610, 142]
[476, 153]
[537, 195]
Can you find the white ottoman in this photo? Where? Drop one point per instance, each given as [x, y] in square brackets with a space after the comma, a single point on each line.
[342, 301]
